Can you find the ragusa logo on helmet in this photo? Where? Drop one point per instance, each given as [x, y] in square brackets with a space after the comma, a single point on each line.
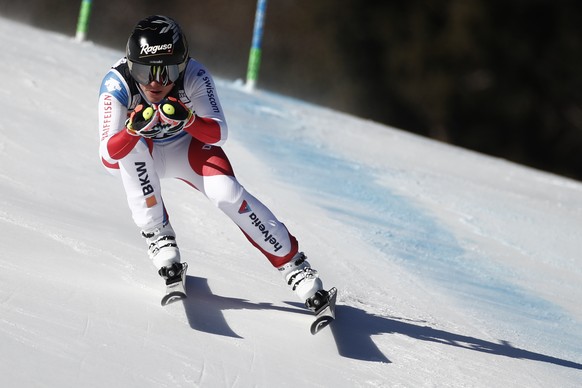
[146, 49]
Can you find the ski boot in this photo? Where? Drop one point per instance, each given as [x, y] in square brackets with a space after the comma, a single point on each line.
[306, 283]
[162, 247]
[302, 279]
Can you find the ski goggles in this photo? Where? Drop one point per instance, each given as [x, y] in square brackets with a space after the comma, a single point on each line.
[164, 75]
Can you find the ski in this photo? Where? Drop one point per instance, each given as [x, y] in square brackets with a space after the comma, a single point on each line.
[176, 290]
[326, 314]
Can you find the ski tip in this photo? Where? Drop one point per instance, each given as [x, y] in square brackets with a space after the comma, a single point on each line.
[173, 297]
[320, 324]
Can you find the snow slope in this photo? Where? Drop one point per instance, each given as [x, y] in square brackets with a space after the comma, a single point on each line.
[454, 269]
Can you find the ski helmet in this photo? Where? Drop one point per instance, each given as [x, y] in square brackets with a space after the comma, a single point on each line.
[157, 50]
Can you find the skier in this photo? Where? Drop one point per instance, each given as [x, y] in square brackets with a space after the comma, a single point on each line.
[160, 117]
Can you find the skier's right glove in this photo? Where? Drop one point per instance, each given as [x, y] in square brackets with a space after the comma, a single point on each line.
[144, 121]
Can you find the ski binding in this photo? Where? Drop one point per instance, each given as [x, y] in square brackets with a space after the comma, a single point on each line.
[175, 289]
[326, 313]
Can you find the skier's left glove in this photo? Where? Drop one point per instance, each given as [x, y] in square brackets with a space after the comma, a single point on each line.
[175, 114]
[144, 121]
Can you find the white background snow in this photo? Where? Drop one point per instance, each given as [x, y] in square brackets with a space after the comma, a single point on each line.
[454, 269]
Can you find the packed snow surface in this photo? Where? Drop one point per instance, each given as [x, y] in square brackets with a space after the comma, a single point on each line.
[453, 268]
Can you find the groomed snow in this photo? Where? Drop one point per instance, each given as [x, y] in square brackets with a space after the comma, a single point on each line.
[454, 269]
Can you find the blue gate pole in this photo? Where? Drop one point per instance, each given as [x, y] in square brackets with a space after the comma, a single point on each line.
[255, 53]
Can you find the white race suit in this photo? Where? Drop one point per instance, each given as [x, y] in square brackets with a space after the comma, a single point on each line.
[193, 155]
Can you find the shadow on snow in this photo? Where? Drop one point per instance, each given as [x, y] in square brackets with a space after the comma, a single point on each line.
[354, 328]
[204, 309]
[352, 331]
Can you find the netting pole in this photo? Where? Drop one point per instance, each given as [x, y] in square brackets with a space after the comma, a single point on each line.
[83, 22]
[255, 53]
